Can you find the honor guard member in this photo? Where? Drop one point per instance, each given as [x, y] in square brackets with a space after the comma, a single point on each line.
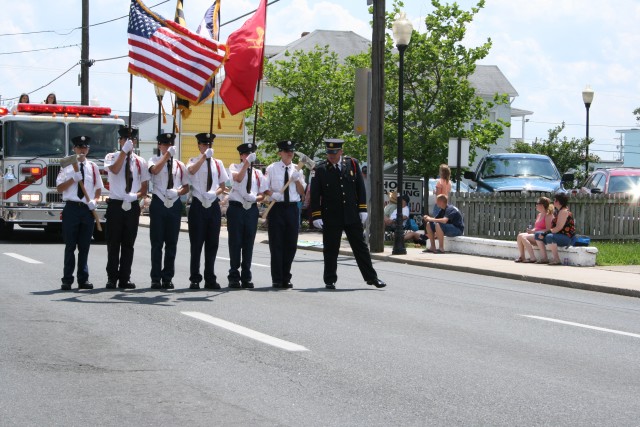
[338, 203]
[169, 181]
[77, 220]
[248, 185]
[128, 181]
[284, 217]
[208, 177]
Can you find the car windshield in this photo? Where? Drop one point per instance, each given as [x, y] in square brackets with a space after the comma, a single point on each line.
[33, 139]
[104, 137]
[496, 167]
[624, 184]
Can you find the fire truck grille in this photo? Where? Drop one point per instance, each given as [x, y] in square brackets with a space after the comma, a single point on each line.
[52, 174]
[54, 197]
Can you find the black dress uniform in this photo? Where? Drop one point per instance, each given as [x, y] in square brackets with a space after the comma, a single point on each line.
[123, 211]
[205, 216]
[338, 198]
[77, 220]
[165, 212]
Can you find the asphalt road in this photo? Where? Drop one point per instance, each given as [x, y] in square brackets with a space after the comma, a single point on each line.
[433, 348]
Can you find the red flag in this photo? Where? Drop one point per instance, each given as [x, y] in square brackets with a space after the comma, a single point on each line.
[243, 69]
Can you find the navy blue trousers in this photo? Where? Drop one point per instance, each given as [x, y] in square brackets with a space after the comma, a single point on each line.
[242, 226]
[283, 230]
[164, 228]
[77, 229]
[204, 230]
[122, 230]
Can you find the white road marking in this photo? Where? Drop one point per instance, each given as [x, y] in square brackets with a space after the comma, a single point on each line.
[253, 263]
[250, 333]
[580, 325]
[22, 258]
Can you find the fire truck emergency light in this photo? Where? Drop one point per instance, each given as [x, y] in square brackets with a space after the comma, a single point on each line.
[4, 111]
[84, 110]
[31, 170]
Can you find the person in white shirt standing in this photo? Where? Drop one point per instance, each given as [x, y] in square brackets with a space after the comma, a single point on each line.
[169, 182]
[208, 177]
[248, 184]
[128, 181]
[77, 219]
[284, 217]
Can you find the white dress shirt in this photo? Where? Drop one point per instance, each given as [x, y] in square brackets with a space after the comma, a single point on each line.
[258, 183]
[199, 179]
[275, 179]
[117, 182]
[92, 181]
[161, 179]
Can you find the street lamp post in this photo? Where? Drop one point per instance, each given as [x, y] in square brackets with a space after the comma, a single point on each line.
[159, 94]
[587, 97]
[402, 30]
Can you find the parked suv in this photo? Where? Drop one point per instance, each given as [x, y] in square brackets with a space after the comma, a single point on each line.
[615, 180]
[508, 172]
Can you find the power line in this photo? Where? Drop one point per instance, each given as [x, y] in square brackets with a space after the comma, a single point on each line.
[47, 84]
[38, 50]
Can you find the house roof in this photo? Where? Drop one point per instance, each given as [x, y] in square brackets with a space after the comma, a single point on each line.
[517, 112]
[343, 43]
[139, 118]
[489, 80]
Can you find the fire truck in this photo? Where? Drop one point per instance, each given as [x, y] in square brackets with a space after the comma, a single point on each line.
[34, 137]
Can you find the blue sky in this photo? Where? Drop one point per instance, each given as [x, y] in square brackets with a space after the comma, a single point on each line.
[549, 50]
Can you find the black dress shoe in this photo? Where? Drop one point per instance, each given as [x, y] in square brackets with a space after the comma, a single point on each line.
[277, 285]
[65, 286]
[167, 285]
[111, 285]
[156, 285]
[247, 285]
[377, 283]
[234, 285]
[209, 285]
[330, 286]
[287, 285]
[128, 285]
[194, 285]
[85, 285]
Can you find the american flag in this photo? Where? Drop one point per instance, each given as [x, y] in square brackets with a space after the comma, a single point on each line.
[169, 55]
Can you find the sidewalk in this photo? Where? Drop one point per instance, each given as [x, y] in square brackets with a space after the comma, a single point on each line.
[619, 280]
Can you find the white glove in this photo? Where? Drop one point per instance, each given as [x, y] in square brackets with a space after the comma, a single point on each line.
[128, 146]
[211, 196]
[171, 194]
[295, 176]
[208, 153]
[92, 205]
[251, 158]
[317, 223]
[277, 196]
[130, 197]
[249, 197]
[77, 176]
[363, 217]
[172, 151]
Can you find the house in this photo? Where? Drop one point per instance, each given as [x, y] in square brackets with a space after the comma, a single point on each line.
[630, 147]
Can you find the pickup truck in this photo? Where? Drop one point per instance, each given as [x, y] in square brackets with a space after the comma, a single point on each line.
[509, 172]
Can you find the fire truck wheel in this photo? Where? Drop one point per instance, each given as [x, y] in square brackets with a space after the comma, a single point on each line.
[5, 229]
[99, 236]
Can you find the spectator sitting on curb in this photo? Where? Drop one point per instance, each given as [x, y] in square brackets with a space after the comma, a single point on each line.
[448, 222]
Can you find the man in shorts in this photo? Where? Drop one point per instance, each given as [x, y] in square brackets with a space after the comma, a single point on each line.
[447, 222]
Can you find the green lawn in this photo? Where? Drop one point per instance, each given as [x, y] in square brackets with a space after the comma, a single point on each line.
[617, 253]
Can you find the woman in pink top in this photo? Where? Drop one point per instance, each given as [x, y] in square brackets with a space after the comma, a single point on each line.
[543, 223]
[443, 186]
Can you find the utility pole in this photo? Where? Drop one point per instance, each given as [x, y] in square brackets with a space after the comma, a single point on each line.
[84, 60]
[376, 129]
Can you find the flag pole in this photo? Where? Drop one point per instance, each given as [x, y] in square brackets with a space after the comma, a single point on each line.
[130, 102]
[212, 104]
[255, 113]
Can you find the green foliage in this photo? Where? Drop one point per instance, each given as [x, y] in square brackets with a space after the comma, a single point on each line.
[316, 101]
[438, 98]
[636, 112]
[566, 154]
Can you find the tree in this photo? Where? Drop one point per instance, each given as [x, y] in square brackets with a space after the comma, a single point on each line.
[316, 101]
[636, 112]
[568, 155]
[439, 101]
